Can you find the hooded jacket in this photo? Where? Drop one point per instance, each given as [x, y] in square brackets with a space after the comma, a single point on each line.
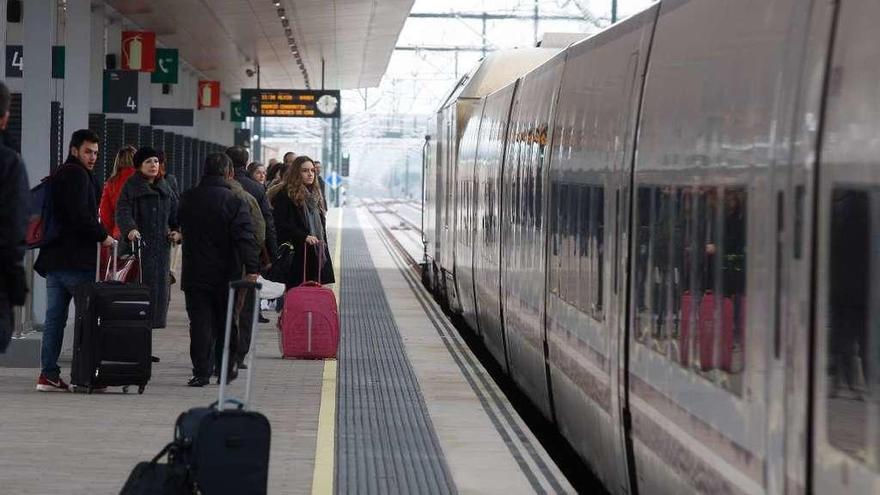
[112, 190]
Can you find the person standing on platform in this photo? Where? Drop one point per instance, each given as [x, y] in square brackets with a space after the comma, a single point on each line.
[300, 219]
[69, 261]
[123, 168]
[322, 186]
[13, 218]
[239, 156]
[147, 212]
[257, 171]
[218, 239]
[259, 226]
[169, 178]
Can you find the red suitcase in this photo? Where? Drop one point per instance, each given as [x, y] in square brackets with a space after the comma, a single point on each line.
[705, 344]
[309, 323]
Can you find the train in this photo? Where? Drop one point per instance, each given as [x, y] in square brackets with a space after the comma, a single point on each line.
[667, 235]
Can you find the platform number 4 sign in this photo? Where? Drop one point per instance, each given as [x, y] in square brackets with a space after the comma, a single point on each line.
[14, 60]
[120, 91]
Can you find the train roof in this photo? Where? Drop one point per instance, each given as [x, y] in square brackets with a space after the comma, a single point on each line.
[498, 69]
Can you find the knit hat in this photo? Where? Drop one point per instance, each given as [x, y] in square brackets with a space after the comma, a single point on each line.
[142, 154]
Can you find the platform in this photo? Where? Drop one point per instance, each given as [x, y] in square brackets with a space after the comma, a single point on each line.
[406, 408]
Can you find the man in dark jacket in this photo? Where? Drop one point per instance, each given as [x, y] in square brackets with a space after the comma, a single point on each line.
[321, 184]
[239, 157]
[70, 260]
[13, 217]
[218, 240]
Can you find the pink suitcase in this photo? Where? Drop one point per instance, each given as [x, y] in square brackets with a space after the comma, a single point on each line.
[309, 323]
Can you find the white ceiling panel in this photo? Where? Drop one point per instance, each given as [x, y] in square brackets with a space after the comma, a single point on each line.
[222, 38]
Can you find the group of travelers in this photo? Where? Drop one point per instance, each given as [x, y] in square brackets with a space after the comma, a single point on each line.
[227, 225]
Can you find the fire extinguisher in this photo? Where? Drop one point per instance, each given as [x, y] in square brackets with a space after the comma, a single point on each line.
[134, 53]
[206, 95]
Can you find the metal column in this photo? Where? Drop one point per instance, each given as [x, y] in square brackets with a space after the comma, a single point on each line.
[79, 55]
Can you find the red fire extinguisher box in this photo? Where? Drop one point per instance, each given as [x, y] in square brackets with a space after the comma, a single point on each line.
[209, 94]
[139, 51]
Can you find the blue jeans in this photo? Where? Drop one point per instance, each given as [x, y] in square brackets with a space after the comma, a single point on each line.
[60, 286]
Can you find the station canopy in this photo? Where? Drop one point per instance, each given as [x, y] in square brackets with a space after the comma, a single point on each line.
[223, 38]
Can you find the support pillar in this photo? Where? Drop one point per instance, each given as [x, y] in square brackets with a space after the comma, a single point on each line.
[35, 119]
[78, 82]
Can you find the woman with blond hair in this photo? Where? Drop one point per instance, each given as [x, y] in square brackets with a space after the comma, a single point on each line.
[123, 169]
[299, 220]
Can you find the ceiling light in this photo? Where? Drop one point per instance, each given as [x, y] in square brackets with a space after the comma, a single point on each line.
[277, 3]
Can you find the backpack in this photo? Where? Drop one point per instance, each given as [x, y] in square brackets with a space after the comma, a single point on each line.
[42, 227]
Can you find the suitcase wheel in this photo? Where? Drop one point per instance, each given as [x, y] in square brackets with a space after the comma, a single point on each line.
[125, 389]
[141, 389]
[89, 390]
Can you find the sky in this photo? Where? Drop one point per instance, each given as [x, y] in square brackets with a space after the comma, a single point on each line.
[383, 128]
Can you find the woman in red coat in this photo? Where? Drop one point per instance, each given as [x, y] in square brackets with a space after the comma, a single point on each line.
[123, 168]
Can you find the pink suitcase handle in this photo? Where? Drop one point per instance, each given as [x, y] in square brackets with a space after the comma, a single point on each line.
[320, 248]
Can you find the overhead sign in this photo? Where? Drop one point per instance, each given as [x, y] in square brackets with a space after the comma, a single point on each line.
[139, 51]
[209, 94]
[57, 62]
[291, 103]
[120, 91]
[14, 60]
[236, 111]
[333, 180]
[172, 116]
[167, 62]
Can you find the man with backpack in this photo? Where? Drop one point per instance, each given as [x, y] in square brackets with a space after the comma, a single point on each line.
[69, 260]
[13, 201]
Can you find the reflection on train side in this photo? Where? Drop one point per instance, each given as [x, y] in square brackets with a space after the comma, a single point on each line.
[853, 334]
[690, 266]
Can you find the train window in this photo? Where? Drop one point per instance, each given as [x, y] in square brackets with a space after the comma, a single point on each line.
[690, 278]
[555, 192]
[853, 341]
[597, 246]
[583, 249]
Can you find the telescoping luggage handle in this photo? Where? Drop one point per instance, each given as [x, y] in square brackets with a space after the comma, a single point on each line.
[113, 259]
[224, 367]
[319, 248]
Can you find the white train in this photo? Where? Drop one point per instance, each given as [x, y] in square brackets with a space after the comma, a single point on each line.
[668, 234]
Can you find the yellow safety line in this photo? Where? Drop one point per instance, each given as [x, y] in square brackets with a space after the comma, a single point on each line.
[325, 449]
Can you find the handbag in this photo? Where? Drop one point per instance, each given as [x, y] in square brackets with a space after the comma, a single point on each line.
[280, 269]
[155, 478]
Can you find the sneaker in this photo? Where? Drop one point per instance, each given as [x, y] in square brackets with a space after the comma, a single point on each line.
[263, 319]
[46, 385]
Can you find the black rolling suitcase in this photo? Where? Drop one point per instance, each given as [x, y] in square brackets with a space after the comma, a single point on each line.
[226, 450]
[113, 340]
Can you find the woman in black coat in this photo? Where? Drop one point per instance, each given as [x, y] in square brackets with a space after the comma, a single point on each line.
[299, 213]
[147, 209]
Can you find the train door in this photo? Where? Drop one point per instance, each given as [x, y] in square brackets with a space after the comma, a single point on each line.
[846, 351]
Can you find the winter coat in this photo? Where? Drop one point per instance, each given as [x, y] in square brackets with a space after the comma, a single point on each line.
[112, 190]
[217, 236]
[293, 227]
[13, 218]
[151, 209]
[75, 195]
[259, 193]
[257, 221]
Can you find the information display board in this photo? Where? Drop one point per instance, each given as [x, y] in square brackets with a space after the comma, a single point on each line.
[300, 103]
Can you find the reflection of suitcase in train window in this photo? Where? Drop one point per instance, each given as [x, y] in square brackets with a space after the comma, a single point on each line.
[704, 337]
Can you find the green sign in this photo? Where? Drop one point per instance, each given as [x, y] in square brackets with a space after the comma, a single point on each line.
[167, 61]
[57, 62]
[236, 112]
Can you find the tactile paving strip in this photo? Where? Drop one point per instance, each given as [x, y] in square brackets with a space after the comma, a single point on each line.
[385, 441]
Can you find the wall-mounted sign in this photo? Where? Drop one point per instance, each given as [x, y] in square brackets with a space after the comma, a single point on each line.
[167, 62]
[14, 60]
[139, 51]
[120, 91]
[172, 116]
[291, 103]
[209, 94]
[236, 111]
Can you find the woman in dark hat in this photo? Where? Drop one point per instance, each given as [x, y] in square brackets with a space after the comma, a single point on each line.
[147, 210]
